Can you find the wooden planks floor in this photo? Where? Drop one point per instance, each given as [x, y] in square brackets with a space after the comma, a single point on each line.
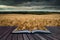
[5, 34]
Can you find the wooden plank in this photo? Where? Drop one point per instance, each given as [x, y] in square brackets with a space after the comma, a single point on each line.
[2, 30]
[56, 36]
[25, 37]
[53, 38]
[20, 37]
[55, 31]
[14, 37]
[42, 38]
[47, 38]
[30, 37]
[9, 37]
[52, 35]
[6, 34]
[35, 37]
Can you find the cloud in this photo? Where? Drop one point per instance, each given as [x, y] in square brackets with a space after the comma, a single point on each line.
[30, 2]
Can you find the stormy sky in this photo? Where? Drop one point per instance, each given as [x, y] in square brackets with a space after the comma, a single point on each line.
[30, 5]
[30, 2]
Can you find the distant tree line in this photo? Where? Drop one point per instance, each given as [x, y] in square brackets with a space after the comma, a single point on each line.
[37, 13]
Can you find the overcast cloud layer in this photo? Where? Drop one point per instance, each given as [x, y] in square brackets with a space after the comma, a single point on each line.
[31, 4]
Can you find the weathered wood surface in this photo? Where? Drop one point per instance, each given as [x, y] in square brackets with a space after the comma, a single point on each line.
[5, 34]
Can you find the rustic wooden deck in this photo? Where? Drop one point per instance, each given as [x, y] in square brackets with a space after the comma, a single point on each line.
[5, 34]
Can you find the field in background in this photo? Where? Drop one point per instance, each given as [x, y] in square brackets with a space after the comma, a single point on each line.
[30, 21]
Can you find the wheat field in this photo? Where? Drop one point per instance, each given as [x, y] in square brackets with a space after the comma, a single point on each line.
[30, 21]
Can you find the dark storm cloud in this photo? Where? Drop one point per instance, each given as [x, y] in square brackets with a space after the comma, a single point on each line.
[32, 2]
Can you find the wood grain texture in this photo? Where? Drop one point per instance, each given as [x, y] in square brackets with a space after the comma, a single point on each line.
[5, 34]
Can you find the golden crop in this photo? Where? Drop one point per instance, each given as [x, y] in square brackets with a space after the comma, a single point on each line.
[29, 22]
